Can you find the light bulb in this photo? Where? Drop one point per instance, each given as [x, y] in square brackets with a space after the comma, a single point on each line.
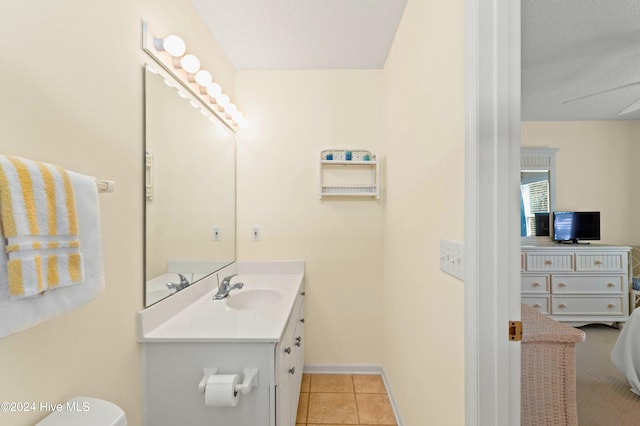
[222, 100]
[190, 63]
[203, 78]
[214, 90]
[230, 109]
[172, 44]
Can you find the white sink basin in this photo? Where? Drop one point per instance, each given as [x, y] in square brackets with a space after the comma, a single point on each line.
[253, 299]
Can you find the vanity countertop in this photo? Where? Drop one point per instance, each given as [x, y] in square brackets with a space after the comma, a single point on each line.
[207, 320]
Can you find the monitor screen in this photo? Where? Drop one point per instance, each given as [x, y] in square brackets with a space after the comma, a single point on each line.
[574, 226]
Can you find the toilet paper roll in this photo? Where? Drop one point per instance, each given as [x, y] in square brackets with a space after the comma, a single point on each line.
[220, 390]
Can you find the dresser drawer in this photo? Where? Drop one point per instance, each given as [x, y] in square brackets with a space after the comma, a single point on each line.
[535, 283]
[593, 284]
[601, 262]
[567, 305]
[540, 303]
[550, 262]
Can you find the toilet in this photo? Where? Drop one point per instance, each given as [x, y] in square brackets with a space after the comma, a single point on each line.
[83, 410]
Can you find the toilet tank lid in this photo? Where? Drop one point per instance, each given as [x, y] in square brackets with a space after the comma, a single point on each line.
[84, 410]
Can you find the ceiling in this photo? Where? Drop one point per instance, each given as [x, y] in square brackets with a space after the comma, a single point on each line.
[573, 48]
[570, 48]
[303, 34]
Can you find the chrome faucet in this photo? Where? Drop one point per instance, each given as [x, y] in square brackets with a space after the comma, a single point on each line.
[184, 283]
[225, 287]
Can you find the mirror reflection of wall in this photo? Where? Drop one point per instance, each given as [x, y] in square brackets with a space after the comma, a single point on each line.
[193, 194]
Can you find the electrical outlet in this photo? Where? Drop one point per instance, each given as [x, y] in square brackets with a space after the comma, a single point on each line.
[217, 233]
[452, 258]
[255, 233]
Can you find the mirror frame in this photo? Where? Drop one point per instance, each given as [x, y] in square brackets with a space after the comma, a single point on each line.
[540, 159]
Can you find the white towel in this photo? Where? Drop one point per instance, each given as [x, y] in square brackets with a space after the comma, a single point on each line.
[39, 221]
[17, 314]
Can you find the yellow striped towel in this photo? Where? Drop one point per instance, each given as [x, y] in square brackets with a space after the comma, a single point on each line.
[39, 221]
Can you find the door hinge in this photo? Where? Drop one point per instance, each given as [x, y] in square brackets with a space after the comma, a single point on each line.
[515, 331]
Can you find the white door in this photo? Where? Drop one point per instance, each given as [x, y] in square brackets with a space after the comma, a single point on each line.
[492, 243]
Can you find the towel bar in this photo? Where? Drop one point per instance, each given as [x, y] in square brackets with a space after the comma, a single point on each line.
[105, 185]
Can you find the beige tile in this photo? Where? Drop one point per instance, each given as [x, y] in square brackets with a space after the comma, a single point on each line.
[306, 381]
[332, 408]
[365, 383]
[375, 409]
[331, 383]
[303, 407]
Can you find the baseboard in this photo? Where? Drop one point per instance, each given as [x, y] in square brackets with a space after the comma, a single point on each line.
[358, 369]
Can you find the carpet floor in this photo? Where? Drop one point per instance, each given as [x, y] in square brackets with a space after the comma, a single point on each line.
[604, 398]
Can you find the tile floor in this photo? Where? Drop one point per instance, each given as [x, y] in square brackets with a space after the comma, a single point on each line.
[344, 399]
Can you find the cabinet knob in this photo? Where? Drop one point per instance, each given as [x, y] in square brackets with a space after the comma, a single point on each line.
[548, 262]
[597, 262]
[611, 285]
[611, 305]
[287, 350]
[301, 319]
[536, 284]
[303, 293]
[562, 284]
[536, 305]
[298, 341]
[562, 305]
[292, 370]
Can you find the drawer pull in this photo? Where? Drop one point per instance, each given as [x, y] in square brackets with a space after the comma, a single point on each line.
[303, 293]
[301, 319]
[536, 284]
[287, 350]
[597, 262]
[292, 370]
[562, 284]
[548, 262]
[298, 341]
[536, 305]
[611, 285]
[562, 305]
[611, 305]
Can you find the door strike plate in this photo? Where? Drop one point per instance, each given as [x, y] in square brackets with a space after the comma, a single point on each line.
[515, 331]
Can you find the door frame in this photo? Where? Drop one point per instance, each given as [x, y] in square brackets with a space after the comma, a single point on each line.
[492, 245]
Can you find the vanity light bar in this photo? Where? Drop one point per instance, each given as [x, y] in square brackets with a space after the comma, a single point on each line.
[171, 53]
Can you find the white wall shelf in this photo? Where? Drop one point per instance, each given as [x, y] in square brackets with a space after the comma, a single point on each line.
[349, 173]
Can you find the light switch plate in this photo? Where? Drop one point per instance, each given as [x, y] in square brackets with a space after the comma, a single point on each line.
[452, 258]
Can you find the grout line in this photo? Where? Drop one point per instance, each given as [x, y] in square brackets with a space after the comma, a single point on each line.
[355, 399]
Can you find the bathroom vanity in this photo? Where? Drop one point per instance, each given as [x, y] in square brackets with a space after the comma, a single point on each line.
[260, 326]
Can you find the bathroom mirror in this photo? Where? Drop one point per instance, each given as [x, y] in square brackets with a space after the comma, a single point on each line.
[537, 191]
[189, 190]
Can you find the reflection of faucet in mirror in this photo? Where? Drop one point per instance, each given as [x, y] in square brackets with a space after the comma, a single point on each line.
[184, 283]
[226, 287]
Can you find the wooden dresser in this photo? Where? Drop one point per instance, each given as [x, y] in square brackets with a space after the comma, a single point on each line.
[577, 283]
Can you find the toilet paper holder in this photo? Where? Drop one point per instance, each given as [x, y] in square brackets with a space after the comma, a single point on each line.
[249, 381]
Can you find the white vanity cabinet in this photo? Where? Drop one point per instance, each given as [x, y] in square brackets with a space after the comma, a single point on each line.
[208, 334]
[579, 284]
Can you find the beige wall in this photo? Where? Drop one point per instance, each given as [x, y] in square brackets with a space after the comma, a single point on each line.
[72, 94]
[293, 116]
[595, 170]
[423, 308]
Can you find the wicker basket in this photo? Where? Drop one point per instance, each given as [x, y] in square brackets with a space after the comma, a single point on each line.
[548, 370]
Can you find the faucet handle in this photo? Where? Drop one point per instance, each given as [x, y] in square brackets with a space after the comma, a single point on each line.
[183, 280]
[227, 280]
